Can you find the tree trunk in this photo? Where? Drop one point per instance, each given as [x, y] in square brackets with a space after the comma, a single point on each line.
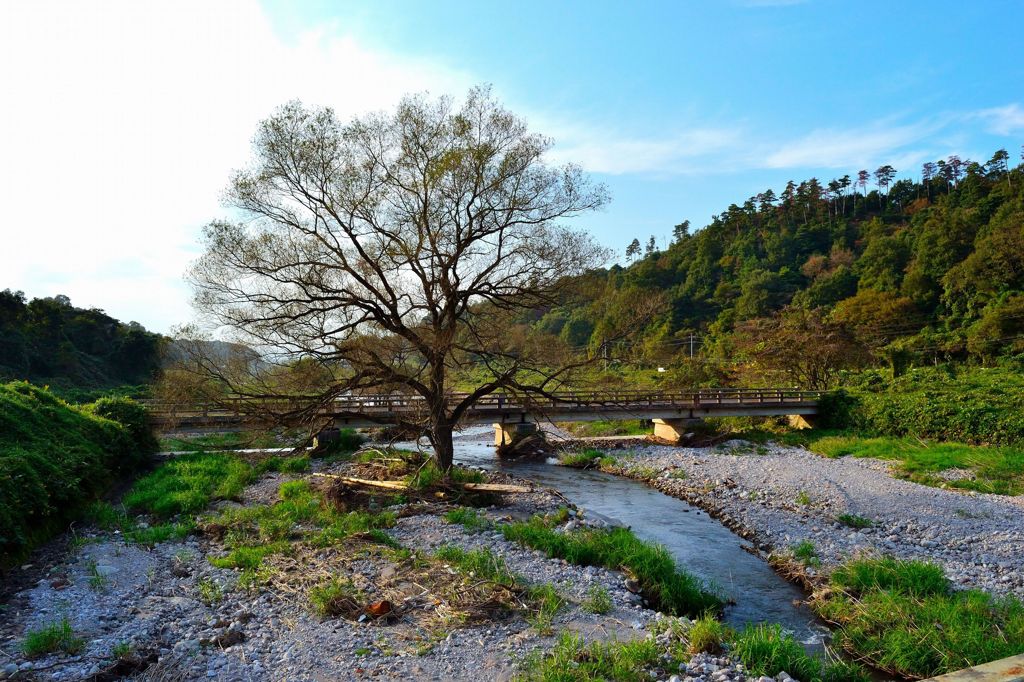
[441, 438]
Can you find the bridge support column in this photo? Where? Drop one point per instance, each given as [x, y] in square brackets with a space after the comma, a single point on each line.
[671, 430]
[506, 433]
[802, 421]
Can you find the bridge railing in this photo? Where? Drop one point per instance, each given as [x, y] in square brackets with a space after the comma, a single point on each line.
[383, 404]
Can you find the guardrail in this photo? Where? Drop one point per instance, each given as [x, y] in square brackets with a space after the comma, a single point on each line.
[383, 404]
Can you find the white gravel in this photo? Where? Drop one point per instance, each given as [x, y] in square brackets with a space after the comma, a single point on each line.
[780, 496]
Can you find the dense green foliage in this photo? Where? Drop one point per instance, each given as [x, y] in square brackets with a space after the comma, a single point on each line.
[905, 618]
[662, 582]
[917, 271]
[54, 459]
[963, 404]
[49, 341]
[132, 416]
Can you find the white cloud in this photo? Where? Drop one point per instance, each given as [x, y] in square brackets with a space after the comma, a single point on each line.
[122, 122]
[837, 148]
[604, 151]
[1006, 120]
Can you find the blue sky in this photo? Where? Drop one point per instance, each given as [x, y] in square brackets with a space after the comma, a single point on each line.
[753, 92]
[136, 112]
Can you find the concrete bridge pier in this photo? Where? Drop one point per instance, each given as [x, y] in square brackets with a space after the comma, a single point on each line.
[505, 433]
[672, 430]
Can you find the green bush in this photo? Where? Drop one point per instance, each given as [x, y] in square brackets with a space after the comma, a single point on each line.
[974, 405]
[131, 415]
[54, 460]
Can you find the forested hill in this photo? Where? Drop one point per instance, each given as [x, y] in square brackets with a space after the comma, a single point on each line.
[50, 341]
[933, 267]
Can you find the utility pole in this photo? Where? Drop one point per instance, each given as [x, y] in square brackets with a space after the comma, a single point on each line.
[691, 346]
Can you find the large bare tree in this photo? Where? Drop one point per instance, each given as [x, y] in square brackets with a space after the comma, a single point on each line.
[397, 249]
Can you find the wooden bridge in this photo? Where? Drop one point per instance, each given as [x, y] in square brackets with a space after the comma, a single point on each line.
[670, 411]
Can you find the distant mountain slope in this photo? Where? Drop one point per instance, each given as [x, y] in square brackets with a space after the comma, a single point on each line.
[935, 266]
[50, 341]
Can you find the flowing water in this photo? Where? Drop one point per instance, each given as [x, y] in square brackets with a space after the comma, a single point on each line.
[698, 542]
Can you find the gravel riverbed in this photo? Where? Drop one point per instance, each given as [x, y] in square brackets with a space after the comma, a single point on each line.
[779, 496]
[157, 603]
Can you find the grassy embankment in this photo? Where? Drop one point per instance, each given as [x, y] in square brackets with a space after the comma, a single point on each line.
[57, 458]
[928, 421]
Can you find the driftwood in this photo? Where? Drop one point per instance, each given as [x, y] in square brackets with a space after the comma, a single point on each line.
[402, 485]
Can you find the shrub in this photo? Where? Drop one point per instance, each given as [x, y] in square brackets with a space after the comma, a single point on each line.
[131, 415]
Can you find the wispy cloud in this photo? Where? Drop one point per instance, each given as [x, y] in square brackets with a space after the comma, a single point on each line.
[1006, 120]
[847, 148]
[601, 150]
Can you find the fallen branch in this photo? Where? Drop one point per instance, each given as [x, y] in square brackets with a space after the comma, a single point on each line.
[402, 485]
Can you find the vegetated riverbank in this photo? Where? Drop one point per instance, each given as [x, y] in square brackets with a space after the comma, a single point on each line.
[225, 567]
[812, 515]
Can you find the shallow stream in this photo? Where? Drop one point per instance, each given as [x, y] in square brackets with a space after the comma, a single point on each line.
[698, 542]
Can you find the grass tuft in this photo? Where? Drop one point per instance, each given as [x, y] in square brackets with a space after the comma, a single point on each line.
[54, 638]
[854, 521]
[767, 650]
[806, 553]
[598, 601]
[707, 635]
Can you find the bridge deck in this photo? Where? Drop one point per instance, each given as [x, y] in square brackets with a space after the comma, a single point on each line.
[374, 410]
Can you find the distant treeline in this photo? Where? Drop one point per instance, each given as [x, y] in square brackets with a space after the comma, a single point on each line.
[915, 271]
[75, 350]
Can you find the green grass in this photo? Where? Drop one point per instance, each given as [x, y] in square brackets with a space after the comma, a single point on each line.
[854, 521]
[469, 518]
[110, 518]
[189, 483]
[544, 601]
[767, 650]
[572, 660]
[997, 470]
[664, 584]
[598, 601]
[806, 553]
[299, 516]
[232, 440]
[904, 617]
[803, 499]
[596, 429]
[707, 635]
[586, 459]
[336, 597]
[54, 638]
[55, 459]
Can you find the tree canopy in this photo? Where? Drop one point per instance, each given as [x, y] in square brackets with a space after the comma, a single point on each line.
[398, 248]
